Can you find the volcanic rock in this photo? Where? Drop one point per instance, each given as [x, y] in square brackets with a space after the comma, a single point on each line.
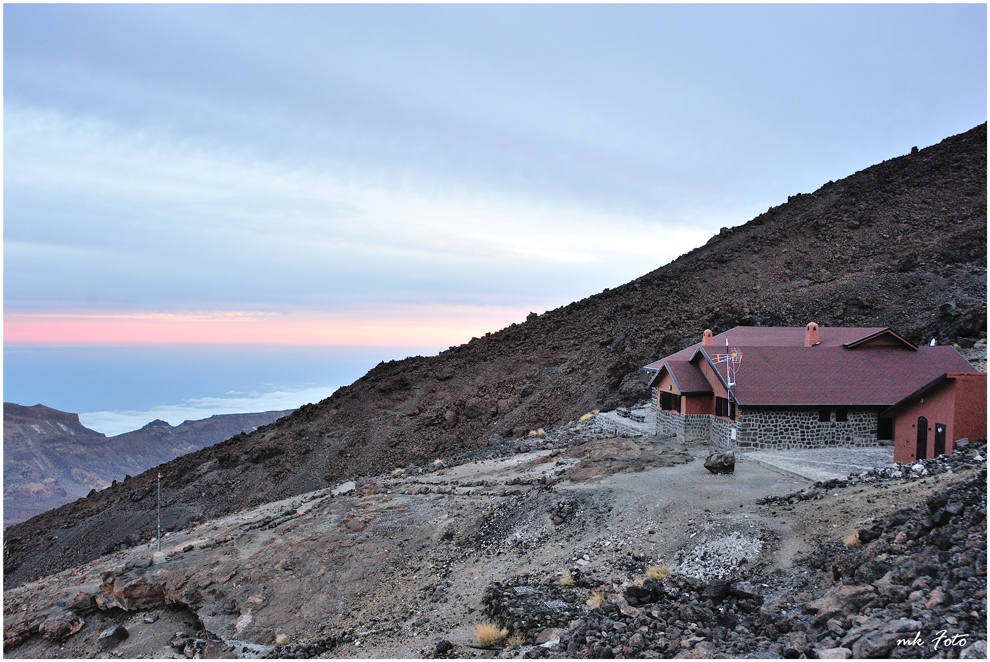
[721, 462]
[112, 636]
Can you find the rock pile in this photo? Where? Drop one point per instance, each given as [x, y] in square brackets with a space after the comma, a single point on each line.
[204, 644]
[968, 455]
[924, 572]
[529, 607]
[914, 587]
[303, 651]
[681, 615]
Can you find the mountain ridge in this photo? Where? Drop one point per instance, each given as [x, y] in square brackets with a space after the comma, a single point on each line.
[900, 244]
[51, 458]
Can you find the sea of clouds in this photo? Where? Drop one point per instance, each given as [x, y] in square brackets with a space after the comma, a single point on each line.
[280, 398]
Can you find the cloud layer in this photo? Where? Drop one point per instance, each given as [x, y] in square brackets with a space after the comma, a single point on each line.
[313, 163]
[113, 423]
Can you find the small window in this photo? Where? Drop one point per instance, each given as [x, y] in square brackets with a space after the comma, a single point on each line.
[719, 406]
[840, 415]
[885, 429]
[824, 415]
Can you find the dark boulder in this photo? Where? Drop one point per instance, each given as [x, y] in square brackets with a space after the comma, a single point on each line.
[112, 636]
[721, 462]
[716, 590]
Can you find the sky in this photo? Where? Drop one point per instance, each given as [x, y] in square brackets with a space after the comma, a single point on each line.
[400, 178]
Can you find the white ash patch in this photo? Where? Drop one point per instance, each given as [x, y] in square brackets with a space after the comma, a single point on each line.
[720, 557]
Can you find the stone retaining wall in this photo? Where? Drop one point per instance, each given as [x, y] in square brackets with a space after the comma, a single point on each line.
[615, 427]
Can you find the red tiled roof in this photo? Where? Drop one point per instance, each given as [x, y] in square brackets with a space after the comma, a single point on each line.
[809, 376]
[687, 376]
[776, 336]
[842, 370]
[882, 334]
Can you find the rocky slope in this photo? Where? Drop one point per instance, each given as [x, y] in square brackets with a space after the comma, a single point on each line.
[900, 244]
[50, 458]
[562, 543]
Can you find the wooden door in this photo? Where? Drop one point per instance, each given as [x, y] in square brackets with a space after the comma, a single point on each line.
[922, 450]
[939, 439]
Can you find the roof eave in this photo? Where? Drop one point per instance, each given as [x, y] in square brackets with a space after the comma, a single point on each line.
[714, 369]
[917, 394]
[864, 339]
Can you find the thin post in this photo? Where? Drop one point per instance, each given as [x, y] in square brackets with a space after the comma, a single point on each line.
[159, 511]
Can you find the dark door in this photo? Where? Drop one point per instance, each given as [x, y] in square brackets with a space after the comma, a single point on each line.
[920, 453]
[939, 439]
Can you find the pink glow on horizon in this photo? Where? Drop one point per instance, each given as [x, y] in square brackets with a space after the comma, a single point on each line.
[405, 325]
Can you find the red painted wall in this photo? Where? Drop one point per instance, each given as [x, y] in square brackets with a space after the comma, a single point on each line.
[713, 379]
[698, 404]
[667, 385]
[959, 403]
[971, 406]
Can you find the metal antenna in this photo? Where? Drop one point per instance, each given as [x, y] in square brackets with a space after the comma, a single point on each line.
[732, 358]
[159, 511]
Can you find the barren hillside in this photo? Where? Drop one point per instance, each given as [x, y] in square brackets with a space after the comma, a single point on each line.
[900, 244]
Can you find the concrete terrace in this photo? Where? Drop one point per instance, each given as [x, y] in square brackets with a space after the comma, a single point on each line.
[822, 463]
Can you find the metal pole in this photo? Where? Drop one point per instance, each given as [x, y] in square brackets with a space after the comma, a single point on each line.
[159, 511]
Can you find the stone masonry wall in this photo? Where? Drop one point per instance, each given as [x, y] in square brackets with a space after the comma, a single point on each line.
[669, 424]
[777, 429]
[697, 426]
[722, 432]
[687, 428]
[784, 429]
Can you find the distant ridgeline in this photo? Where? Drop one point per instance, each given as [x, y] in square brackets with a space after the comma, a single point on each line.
[50, 458]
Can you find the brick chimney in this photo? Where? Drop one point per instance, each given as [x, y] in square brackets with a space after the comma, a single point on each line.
[707, 340]
[811, 335]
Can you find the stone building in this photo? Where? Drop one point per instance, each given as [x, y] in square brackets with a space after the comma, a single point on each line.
[802, 387]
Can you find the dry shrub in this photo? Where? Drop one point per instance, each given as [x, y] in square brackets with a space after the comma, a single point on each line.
[596, 599]
[489, 634]
[516, 640]
[398, 471]
[587, 416]
[659, 572]
[566, 581]
[852, 541]
[437, 462]
[541, 432]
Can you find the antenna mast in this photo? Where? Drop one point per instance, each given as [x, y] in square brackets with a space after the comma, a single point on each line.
[732, 358]
[159, 511]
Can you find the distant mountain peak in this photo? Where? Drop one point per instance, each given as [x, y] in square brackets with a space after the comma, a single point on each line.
[157, 423]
